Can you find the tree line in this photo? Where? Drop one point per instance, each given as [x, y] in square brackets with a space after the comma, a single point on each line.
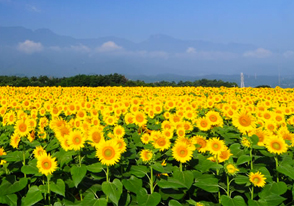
[103, 80]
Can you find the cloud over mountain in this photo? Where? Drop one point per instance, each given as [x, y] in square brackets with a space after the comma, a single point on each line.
[30, 47]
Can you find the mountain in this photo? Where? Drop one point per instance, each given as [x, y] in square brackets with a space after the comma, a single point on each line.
[43, 52]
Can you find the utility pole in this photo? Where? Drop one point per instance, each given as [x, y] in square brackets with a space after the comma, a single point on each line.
[242, 80]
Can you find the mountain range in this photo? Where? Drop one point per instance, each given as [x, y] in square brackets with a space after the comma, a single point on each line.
[38, 52]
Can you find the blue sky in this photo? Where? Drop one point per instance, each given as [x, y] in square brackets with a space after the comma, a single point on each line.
[266, 23]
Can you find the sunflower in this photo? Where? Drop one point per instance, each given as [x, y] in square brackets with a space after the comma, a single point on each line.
[140, 119]
[2, 152]
[38, 151]
[14, 140]
[245, 142]
[145, 138]
[215, 146]
[201, 142]
[46, 164]
[119, 131]
[95, 136]
[64, 142]
[257, 179]
[108, 152]
[276, 145]
[162, 143]
[214, 118]
[224, 155]
[76, 140]
[231, 169]
[122, 146]
[181, 152]
[22, 128]
[146, 155]
[244, 121]
[203, 124]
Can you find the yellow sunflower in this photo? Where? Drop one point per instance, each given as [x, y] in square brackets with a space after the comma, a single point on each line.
[214, 118]
[203, 124]
[146, 155]
[95, 136]
[224, 155]
[119, 131]
[215, 146]
[122, 146]
[244, 121]
[257, 179]
[108, 152]
[38, 151]
[76, 140]
[14, 140]
[276, 145]
[162, 143]
[2, 152]
[46, 164]
[201, 142]
[181, 152]
[145, 138]
[231, 169]
[140, 119]
[22, 128]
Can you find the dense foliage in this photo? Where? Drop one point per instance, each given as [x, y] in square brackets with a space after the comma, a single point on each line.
[101, 80]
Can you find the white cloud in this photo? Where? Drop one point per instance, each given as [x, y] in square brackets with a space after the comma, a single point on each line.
[30, 47]
[191, 50]
[288, 54]
[32, 8]
[108, 47]
[80, 48]
[258, 53]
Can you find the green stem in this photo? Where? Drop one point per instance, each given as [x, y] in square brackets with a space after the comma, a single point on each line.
[277, 165]
[80, 161]
[181, 166]
[252, 192]
[48, 183]
[251, 157]
[228, 186]
[24, 161]
[217, 173]
[107, 174]
[151, 180]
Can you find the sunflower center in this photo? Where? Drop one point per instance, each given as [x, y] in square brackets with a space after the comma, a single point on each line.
[46, 165]
[108, 153]
[215, 146]
[213, 118]
[77, 140]
[245, 121]
[276, 145]
[161, 142]
[256, 180]
[96, 137]
[22, 127]
[183, 152]
[203, 124]
[139, 118]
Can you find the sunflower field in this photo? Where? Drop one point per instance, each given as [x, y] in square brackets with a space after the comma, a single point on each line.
[146, 146]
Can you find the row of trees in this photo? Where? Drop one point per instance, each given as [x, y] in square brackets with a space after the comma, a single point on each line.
[102, 80]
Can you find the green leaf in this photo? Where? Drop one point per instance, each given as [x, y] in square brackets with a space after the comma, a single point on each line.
[204, 165]
[90, 199]
[273, 199]
[257, 203]
[16, 156]
[171, 183]
[78, 173]
[33, 196]
[29, 169]
[113, 190]
[174, 203]
[53, 144]
[236, 201]
[287, 170]
[241, 179]
[145, 199]
[11, 199]
[186, 177]
[277, 188]
[58, 187]
[243, 159]
[96, 167]
[133, 184]
[207, 182]
[139, 171]
[64, 157]
[17, 186]
[235, 149]
[158, 167]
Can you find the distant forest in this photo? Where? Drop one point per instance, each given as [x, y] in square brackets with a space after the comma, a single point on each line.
[103, 80]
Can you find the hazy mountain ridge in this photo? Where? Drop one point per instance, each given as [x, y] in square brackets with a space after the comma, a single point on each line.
[43, 52]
